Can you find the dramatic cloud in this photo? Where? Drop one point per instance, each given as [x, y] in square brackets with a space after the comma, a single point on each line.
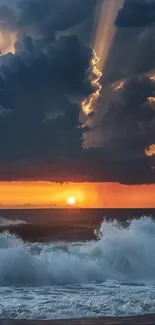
[43, 85]
[123, 126]
[129, 125]
[133, 48]
[136, 13]
[44, 82]
[44, 16]
[127, 129]
[38, 17]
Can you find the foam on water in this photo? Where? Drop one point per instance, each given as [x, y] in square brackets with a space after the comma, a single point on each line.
[120, 254]
[75, 301]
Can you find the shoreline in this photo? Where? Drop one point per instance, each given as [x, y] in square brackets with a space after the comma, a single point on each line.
[133, 320]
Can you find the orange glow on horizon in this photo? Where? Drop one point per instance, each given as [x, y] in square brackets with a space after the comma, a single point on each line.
[87, 195]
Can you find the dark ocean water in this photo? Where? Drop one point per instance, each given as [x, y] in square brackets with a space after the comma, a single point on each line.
[63, 224]
[64, 264]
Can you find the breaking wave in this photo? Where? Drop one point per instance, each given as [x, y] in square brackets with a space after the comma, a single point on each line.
[120, 254]
[7, 222]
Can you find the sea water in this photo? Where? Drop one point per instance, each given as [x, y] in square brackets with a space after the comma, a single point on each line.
[110, 275]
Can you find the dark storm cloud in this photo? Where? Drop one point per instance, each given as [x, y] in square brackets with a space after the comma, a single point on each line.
[91, 167]
[129, 125]
[133, 48]
[136, 13]
[132, 52]
[54, 14]
[127, 119]
[128, 129]
[43, 85]
[44, 16]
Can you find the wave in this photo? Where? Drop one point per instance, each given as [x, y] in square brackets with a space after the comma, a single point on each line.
[120, 254]
[7, 222]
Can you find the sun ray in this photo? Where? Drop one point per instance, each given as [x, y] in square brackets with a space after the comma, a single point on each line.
[103, 35]
[104, 29]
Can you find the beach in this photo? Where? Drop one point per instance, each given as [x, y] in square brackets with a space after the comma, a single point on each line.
[139, 320]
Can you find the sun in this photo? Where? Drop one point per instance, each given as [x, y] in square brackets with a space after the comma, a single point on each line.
[71, 200]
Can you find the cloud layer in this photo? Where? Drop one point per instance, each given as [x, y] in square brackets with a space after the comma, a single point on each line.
[44, 82]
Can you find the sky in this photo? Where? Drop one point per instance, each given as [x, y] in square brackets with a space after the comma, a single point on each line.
[87, 195]
[77, 101]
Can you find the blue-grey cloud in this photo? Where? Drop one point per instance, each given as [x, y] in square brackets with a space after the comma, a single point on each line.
[44, 16]
[136, 13]
[43, 85]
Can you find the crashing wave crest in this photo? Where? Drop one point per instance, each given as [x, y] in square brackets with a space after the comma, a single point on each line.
[120, 254]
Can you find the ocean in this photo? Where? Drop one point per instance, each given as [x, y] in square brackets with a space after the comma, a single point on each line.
[65, 264]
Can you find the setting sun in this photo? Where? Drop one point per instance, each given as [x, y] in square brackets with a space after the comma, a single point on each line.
[71, 200]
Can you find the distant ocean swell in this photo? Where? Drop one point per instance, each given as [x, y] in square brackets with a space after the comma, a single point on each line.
[119, 254]
[46, 231]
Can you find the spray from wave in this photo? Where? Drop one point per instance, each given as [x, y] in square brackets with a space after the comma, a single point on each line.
[120, 254]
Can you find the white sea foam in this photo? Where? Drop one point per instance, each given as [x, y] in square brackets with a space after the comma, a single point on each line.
[120, 254]
[75, 301]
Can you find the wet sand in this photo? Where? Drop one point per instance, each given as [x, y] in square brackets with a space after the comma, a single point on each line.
[137, 320]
